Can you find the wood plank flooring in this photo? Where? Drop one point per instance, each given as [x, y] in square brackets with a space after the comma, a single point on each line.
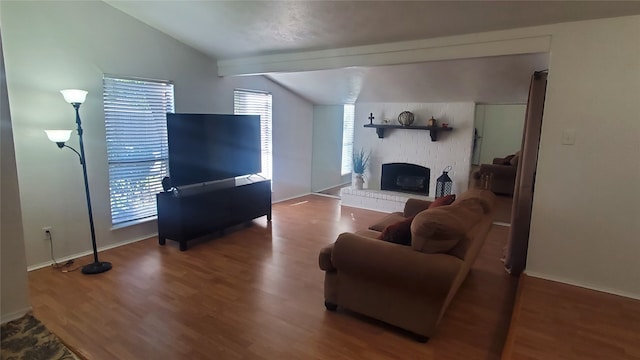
[559, 321]
[257, 293]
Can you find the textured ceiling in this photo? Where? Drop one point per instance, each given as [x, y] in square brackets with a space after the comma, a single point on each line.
[229, 29]
[234, 29]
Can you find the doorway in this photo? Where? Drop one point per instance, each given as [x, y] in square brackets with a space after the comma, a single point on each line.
[498, 134]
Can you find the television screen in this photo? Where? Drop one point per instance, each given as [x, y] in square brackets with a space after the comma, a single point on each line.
[208, 147]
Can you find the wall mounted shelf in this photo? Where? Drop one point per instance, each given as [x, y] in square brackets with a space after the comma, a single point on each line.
[433, 130]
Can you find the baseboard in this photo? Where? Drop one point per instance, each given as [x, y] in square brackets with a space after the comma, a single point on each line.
[291, 198]
[89, 252]
[331, 187]
[327, 195]
[582, 285]
[5, 318]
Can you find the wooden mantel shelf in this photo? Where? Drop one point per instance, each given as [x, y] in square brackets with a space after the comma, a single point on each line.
[433, 130]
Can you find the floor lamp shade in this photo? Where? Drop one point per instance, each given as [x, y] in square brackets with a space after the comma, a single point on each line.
[59, 135]
[74, 96]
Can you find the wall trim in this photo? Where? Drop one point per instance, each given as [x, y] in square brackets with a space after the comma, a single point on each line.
[331, 187]
[88, 252]
[291, 198]
[582, 284]
[5, 318]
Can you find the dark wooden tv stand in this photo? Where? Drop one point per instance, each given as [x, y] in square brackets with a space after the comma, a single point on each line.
[202, 210]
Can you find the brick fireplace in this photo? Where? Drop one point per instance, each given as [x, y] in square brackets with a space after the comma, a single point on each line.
[403, 146]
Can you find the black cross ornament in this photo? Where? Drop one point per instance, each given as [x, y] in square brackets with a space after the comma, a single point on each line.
[371, 118]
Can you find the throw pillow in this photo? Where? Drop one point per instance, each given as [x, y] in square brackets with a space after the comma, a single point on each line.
[442, 201]
[398, 233]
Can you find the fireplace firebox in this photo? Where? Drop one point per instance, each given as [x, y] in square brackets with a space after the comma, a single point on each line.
[404, 177]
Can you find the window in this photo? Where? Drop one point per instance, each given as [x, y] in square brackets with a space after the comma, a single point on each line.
[249, 102]
[347, 138]
[136, 130]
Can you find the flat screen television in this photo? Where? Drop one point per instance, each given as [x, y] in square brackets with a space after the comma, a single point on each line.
[210, 147]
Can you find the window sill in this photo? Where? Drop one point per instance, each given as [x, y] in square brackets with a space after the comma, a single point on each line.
[133, 223]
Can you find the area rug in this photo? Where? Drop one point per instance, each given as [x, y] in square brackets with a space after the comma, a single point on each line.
[27, 338]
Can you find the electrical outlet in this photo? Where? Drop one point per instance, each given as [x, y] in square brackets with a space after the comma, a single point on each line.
[47, 232]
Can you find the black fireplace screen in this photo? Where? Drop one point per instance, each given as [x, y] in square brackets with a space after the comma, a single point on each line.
[403, 177]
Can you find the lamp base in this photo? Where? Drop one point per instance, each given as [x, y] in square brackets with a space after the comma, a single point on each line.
[96, 268]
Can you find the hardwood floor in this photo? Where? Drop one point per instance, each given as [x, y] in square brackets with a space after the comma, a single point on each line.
[502, 210]
[558, 321]
[257, 293]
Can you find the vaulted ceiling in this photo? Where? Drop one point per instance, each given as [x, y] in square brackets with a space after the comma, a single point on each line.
[235, 29]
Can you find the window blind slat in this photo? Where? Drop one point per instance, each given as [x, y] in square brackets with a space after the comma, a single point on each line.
[137, 151]
[247, 102]
[347, 139]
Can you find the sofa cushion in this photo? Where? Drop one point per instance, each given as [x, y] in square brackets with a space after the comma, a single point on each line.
[386, 221]
[484, 197]
[440, 229]
[398, 233]
[369, 233]
[442, 201]
[413, 206]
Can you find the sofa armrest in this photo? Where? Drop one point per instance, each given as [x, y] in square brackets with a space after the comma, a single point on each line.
[324, 258]
[498, 161]
[413, 206]
[395, 265]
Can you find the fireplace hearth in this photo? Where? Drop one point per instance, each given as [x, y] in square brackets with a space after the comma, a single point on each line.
[404, 177]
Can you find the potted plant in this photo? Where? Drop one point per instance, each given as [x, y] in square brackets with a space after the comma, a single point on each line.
[360, 163]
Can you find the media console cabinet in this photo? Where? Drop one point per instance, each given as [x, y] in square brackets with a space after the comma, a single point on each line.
[200, 211]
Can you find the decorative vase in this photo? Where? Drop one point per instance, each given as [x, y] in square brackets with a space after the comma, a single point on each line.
[406, 118]
[358, 181]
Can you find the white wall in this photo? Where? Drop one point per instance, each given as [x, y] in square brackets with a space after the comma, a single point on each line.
[415, 146]
[327, 147]
[586, 213]
[55, 45]
[14, 301]
[501, 130]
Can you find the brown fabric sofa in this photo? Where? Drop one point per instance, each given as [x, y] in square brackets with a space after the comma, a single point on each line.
[409, 286]
[502, 174]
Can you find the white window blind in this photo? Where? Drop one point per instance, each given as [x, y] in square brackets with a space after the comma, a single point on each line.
[136, 130]
[347, 138]
[248, 102]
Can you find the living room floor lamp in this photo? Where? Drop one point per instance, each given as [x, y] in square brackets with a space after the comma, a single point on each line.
[76, 98]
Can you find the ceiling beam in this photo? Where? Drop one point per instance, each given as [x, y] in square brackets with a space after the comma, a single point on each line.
[496, 43]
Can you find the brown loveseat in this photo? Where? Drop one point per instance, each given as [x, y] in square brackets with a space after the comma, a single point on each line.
[502, 173]
[409, 286]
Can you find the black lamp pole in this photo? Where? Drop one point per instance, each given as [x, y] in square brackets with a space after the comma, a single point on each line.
[96, 267]
[76, 98]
